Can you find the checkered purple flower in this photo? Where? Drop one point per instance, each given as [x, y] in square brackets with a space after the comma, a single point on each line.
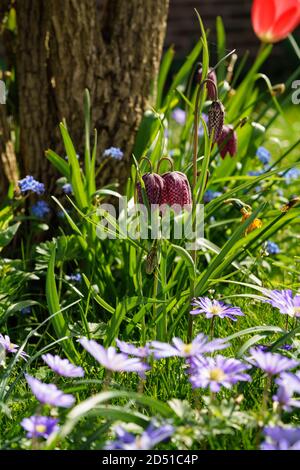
[111, 360]
[152, 436]
[214, 308]
[63, 366]
[200, 345]
[280, 438]
[39, 426]
[49, 394]
[286, 302]
[271, 363]
[217, 372]
[10, 347]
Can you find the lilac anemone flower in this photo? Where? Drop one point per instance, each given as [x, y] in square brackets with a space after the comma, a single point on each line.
[271, 363]
[200, 345]
[284, 300]
[146, 441]
[214, 308]
[39, 426]
[63, 366]
[111, 360]
[132, 350]
[279, 438]
[49, 394]
[10, 347]
[215, 372]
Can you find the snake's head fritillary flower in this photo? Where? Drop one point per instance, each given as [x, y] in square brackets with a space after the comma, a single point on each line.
[271, 363]
[200, 345]
[216, 115]
[112, 360]
[274, 20]
[10, 347]
[63, 366]
[281, 438]
[49, 394]
[152, 436]
[176, 190]
[211, 85]
[30, 184]
[217, 372]
[154, 185]
[39, 426]
[214, 308]
[227, 142]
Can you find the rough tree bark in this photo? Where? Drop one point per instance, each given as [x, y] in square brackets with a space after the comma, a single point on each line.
[113, 49]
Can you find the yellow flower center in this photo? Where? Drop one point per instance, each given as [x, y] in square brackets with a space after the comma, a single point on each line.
[216, 374]
[40, 428]
[296, 311]
[215, 309]
[187, 348]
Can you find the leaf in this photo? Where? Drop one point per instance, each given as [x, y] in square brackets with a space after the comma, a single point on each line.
[8, 234]
[59, 163]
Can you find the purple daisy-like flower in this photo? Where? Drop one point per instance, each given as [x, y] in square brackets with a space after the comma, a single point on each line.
[179, 115]
[132, 350]
[151, 436]
[284, 300]
[279, 438]
[215, 372]
[214, 308]
[39, 426]
[10, 347]
[63, 366]
[200, 345]
[30, 184]
[49, 394]
[111, 360]
[288, 384]
[271, 363]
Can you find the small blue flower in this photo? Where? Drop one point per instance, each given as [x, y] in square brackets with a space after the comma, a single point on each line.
[74, 277]
[256, 173]
[25, 310]
[179, 116]
[113, 152]
[67, 188]
[201, 128]
[30, 184]
[272, 248]
[40, 209]
[209, 195]
[263, 155]
[291, 175]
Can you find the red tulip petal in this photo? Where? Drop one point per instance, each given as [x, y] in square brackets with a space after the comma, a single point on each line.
[281, 6]
[263, 16]
[285, 24]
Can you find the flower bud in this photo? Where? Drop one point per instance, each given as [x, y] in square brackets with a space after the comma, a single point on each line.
[216, 115]
[227, 141]
[211, 89]
[176, 189]
[154, 186]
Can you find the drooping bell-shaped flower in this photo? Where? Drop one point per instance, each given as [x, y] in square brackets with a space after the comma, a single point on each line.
[227, 141]
[210, 87]
[216, 115]
[154, 185]
[274, 20]
[176, 190]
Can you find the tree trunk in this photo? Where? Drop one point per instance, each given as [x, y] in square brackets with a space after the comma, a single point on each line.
[113, 49]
